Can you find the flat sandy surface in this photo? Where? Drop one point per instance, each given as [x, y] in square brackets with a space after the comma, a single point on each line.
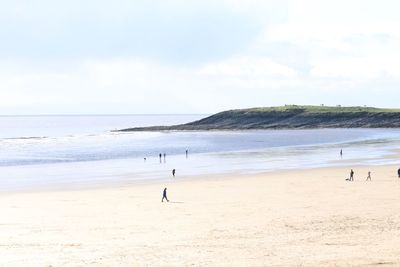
[305, 218]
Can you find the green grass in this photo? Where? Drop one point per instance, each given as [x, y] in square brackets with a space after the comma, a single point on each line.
[321, 109]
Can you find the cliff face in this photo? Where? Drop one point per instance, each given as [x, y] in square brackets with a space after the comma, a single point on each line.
[290, 118]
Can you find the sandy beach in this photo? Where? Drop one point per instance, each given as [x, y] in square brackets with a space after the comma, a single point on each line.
[293, 218]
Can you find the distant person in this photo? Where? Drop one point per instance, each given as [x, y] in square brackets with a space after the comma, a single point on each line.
[351, 175]
[187, 152]
[173, 172]
[398, 172]
[369, 176]
[144, 159]
[160, 157]
[164, 195]
[341, 153]
[164, 157]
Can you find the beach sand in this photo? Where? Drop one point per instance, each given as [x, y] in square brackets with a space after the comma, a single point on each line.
[292, 218]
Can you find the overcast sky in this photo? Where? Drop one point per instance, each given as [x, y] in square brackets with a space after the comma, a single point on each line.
[127, 56]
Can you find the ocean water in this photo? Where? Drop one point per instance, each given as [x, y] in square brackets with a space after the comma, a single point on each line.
[41, 152]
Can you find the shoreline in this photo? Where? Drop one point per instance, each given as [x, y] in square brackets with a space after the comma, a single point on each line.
[196, 178]
[344, 170]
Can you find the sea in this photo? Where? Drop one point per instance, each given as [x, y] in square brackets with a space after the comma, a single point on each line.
[87, 151]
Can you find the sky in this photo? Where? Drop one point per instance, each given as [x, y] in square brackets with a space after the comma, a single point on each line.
[170, 56]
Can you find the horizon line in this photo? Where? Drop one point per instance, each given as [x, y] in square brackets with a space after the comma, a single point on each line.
[101, 114]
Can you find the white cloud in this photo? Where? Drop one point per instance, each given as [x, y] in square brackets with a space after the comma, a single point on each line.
[367, 68]
[245, 67]
[200, 56]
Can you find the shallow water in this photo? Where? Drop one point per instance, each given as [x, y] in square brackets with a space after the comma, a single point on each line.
[81, 151]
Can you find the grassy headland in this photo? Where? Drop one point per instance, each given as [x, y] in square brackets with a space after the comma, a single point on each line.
[291, 117]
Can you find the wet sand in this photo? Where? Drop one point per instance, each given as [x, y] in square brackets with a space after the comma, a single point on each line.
[305, 218]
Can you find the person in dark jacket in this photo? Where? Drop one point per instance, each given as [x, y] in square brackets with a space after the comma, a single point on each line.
[369, 176]
[164, 196]
[351, 175]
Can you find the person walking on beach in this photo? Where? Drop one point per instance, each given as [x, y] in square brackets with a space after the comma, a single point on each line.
[173, 172]
[351, 175]
[160, 157]
[187, 152]
[369, 176]
[341, 153]
[164, 157]
[398, 172]
[164, 195]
